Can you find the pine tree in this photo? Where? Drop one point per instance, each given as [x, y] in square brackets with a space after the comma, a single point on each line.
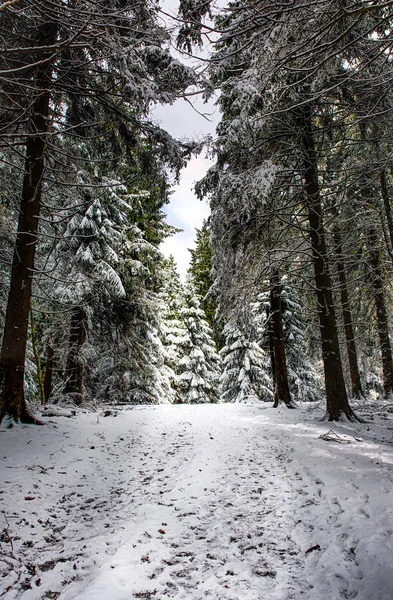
[302, 375]
[282, 107]
[107, 258]
[245, 376]
[199, 368]
[71, 75]
[129, 374]
[94, 248]
[174, 334]
[200, 271]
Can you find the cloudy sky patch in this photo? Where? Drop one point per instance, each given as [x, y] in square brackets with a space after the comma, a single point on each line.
[185, 210]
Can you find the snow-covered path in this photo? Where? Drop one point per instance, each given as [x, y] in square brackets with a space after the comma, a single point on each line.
[193, 502]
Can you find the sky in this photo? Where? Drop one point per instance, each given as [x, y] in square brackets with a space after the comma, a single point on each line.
[185, 210]
[183, 122]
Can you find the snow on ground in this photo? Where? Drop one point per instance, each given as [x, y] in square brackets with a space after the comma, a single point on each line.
[223, 502]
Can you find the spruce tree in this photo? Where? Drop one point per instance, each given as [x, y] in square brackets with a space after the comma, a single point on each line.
[302, 376]
[245, 377]
[72, 74]
[199, 368]
[303, 379]
[200, 271]
[174, 334]
[281, 106]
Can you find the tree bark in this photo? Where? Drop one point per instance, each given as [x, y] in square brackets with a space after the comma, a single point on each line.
[387, 207]
[74, 366]
[337, 403]
[48, 372]
[271, 346]
[13, 351]
[377, 283]
[36, 353]
[281, 393]
[356, 384]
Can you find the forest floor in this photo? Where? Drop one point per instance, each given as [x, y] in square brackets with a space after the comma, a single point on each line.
[223, 502]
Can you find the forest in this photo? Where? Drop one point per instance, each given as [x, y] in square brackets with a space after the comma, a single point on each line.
[288, 294]
[227, 435]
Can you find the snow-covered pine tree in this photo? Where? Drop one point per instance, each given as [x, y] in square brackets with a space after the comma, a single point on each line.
[302, 376]
[187, 338]
[107, 268]
[245, 377]
[199, 368]
[133, 374]
[174, 335]
[278, 102]
[171, 289]
[94, 245]
[83, 75]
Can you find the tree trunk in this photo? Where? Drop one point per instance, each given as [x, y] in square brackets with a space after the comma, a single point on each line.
[337, 403]
[281, 393]
[356, 384]
[13, 351]
[36, 353]
[271, 346]
[387, 207]
[74, 366]
[382, 317]
[48, 373]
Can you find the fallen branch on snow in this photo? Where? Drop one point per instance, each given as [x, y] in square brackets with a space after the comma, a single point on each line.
[332, 436]
[316, 547]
